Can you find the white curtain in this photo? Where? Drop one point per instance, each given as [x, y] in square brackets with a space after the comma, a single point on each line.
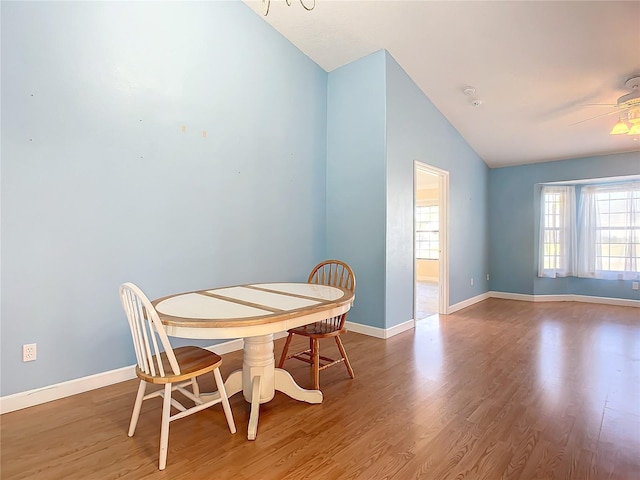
[588, 233]
[612, 235]
[558, 230]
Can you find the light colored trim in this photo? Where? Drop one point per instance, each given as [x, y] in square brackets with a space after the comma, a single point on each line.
[468, 302]
[20, 400]
[586, 181]
[512, 296]
[226, 347]
[624, 302]
[443, 204]
[365, 329]
[235, 345]
[377, 332]
[46, 394]
[443, 263]
[402, 327]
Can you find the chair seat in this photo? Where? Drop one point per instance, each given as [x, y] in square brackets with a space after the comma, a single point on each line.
[193, 361]
[318, 329]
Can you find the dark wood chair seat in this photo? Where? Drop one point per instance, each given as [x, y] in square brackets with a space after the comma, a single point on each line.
[324, 328]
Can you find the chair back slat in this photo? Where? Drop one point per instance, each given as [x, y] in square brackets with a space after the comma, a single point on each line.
[153, 360]
[147, 332]
[334, 273]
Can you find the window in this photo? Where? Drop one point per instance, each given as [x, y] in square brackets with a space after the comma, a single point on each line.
[557, 257]
[610, 231]
[428, 232]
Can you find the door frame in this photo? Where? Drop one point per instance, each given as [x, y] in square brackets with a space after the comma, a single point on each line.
[443, 261]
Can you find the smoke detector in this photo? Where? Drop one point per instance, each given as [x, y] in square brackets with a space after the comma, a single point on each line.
[471, 92]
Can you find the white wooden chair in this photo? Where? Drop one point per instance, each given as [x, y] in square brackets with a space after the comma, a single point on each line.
[176, 369]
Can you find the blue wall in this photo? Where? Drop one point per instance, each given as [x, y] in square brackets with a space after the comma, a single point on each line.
[379, 124]
[416, 130]
[356, 180]
[100, 185]
[514, 218]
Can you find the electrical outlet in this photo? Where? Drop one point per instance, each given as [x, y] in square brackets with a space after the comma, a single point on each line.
[29, 352]
[487, 277]
[472, 281]
[634, 285]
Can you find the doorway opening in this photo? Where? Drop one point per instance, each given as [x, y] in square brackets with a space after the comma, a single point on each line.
[431, 285]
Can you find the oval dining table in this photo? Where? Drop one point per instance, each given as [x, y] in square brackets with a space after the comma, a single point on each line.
[254, 312]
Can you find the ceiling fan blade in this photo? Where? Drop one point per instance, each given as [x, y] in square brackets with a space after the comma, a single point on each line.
[593, 118]
[610, 105]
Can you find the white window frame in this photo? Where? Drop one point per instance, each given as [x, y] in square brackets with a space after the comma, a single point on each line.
[557, 241]
[610, 231]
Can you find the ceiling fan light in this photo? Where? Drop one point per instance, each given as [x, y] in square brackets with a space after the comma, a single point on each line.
[635, 130]
[634, 115]
[620, 128]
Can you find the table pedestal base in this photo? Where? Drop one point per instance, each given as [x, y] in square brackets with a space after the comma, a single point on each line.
[259, 379]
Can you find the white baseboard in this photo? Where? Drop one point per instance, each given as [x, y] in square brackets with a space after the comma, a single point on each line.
[20, 400]
[544, 298]
[467, 303]
[380, 332]
[624, 302]
[46, 394]
[226, 347]
[512, 296]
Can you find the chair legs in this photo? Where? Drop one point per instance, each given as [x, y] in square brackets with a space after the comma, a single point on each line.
[136, 407]
[314, 343]
[164, 428]
[225, 400]
[283, 357]
[314, 358]
[344, 355]
[201, 402]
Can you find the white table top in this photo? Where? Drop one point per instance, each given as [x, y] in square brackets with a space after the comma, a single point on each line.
[250, 310]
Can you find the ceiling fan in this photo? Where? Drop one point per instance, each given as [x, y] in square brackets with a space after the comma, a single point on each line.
[627, 107]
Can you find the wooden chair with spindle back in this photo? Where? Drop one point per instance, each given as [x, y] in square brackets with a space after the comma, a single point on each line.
[333, 273]
[175, 369]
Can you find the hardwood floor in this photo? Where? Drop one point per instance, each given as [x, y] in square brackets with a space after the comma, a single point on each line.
[500, 390]
[426, 299]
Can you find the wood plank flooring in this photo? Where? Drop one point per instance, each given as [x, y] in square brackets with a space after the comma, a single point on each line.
[500, 390]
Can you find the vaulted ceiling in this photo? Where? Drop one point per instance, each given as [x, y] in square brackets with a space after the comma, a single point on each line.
[535, 65]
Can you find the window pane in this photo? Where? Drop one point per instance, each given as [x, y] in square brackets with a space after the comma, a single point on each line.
[616, 264]
[617, 250]
[427, 231]
[616, 226]
[555, 201]
[618, 206]
[619, 220]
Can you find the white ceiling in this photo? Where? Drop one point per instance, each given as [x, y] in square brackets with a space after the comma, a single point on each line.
[534, 64]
